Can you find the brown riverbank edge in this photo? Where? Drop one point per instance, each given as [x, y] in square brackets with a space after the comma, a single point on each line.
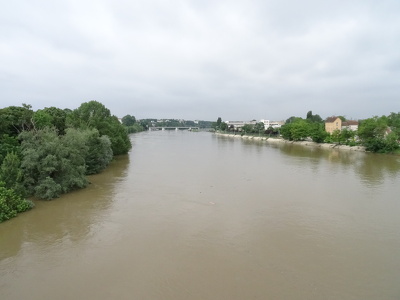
[304, 143]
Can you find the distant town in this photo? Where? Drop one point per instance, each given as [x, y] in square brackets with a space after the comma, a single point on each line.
[376, 134]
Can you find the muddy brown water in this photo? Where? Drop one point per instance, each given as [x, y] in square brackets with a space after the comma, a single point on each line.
[191, 215]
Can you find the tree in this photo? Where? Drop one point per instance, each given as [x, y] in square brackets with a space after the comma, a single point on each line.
[90, 114]
[313, 118]
[120, 142]
[376, 135]
[291, 120]
[93, 114]
[394, 122]
[53, 164]
[128, 120]
[58, 118]
[11, 174]
[300, 130]
[317, 132]
[348, 136]
[8, 144]
[42, 119]
[223, 126]
[272, 131]
[99, 153]
[296, 130]
[15, 119]
[286, 131]
[259, 127]
[217, 125]
[372, 128]
[336, 136]
[11, 203]
[247, 128]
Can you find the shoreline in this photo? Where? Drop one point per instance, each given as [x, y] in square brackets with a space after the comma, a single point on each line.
[304, 143]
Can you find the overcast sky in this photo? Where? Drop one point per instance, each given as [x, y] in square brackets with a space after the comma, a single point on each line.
[203, 59]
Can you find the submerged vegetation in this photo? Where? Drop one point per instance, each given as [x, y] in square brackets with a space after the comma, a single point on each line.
[48, 152]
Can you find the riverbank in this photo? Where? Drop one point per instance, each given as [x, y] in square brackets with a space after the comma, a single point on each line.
[304, 143]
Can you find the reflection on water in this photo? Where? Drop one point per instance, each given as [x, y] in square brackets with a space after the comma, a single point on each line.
[66, 220]
[373, 169]
[200, 216]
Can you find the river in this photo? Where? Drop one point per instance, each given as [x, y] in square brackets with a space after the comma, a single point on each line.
[192, 215]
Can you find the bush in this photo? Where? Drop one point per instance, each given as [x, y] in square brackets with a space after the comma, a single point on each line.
[11, 203]
[53, 164]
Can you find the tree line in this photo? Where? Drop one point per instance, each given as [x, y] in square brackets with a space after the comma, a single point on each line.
[48, 152]
[377, 134]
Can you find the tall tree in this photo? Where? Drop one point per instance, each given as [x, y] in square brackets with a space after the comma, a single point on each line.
[15, 119]
[93, 114]
[128, 120]
[53, 164]
[11, 173]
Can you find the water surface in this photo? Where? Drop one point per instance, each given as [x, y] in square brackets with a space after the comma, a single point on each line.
[191, 215]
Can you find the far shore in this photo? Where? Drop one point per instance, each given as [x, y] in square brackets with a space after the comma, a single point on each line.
[304, 143]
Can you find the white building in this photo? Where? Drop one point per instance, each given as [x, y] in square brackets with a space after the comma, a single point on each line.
[273, 124]
[239, 124]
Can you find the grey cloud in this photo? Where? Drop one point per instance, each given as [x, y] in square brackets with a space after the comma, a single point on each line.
[203, 59]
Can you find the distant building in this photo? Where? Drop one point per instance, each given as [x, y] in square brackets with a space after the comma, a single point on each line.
[236, 125]
[335, 123]
[332, 124]
[350, 125]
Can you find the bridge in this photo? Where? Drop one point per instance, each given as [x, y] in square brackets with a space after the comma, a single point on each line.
[173, 128]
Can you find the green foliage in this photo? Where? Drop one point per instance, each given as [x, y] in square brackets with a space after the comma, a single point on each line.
[317, 132]
[247, 128]
[52, 164]
[394, 122]
[217, 125]
[99, 152]
[42, 119]
[204, 124]
[296, 130]
[58, 118]
[259, 127]
[120, 142]
[313, 118]
[336, 136]
[291, 119]
[15, 119]
[137, 127]
[128, 120]
[90, 114]
[271, 131]
[93, 114]
[372, 128]
[348, 136]
[376, 134]
[8, 144]
[11, 203]
[11, 173]
[223, 126]
[391, 142]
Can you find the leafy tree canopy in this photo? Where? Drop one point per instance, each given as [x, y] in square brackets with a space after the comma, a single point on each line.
[93, 114]
[128, 120]
[15, 119]
[313, 118]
